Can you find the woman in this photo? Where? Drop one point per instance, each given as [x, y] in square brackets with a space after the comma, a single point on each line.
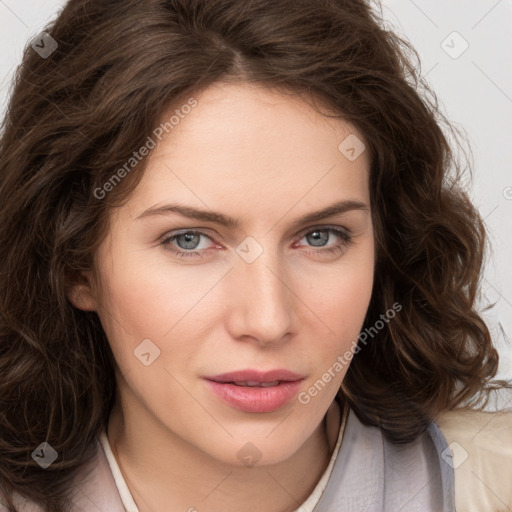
[238, 272]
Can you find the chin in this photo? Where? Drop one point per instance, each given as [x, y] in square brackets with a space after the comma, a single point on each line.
[257, 453]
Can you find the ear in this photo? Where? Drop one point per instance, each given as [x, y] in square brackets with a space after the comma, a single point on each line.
[82, 294]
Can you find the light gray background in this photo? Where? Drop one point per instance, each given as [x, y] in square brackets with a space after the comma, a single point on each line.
[474, 88]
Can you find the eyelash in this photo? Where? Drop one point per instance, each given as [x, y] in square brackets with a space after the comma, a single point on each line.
[346, 240]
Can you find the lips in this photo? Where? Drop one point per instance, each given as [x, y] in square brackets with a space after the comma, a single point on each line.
[255, 391]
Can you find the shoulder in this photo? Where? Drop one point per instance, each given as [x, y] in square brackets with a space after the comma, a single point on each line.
[373, 473]
[480, 443]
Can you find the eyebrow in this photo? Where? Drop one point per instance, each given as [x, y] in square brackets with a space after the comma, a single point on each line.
[224, 220]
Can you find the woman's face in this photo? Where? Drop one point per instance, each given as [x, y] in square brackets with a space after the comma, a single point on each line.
[272, 292]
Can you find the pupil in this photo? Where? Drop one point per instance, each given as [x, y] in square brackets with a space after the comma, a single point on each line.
[189, 238]
[323, 236]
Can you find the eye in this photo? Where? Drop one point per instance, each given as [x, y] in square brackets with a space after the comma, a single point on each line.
[320, 236]
[189, 241]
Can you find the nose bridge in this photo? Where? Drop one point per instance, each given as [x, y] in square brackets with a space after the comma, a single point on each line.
[263, 300]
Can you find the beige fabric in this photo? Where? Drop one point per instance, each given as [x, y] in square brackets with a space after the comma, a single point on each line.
[481, 446]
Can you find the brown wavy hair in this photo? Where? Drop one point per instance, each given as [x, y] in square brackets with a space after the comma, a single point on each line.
[76, 116]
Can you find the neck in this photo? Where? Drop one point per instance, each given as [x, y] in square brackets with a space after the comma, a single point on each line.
[191, 480]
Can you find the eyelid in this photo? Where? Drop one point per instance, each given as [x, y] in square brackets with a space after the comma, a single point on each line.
[319, 227]
[181, 231]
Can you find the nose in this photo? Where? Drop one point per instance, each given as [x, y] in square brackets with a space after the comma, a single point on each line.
[262, 300]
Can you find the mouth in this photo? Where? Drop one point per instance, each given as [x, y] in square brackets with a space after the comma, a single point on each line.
[255, 377]
[254, 391]
[252, 384]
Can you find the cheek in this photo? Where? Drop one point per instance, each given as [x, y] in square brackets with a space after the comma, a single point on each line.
[341, 303]
[131, 307]
[144, 301]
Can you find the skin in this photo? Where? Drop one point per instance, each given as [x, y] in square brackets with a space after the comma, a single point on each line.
[265, 158]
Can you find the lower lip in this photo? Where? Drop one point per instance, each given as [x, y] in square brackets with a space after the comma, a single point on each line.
[256, 398]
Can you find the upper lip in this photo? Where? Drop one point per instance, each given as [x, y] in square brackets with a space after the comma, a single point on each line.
[256, 376]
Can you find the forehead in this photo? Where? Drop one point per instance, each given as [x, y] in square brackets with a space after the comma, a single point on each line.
[254, 148]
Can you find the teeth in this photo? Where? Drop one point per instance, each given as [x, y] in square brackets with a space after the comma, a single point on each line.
[252, 383]
[270, 384]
